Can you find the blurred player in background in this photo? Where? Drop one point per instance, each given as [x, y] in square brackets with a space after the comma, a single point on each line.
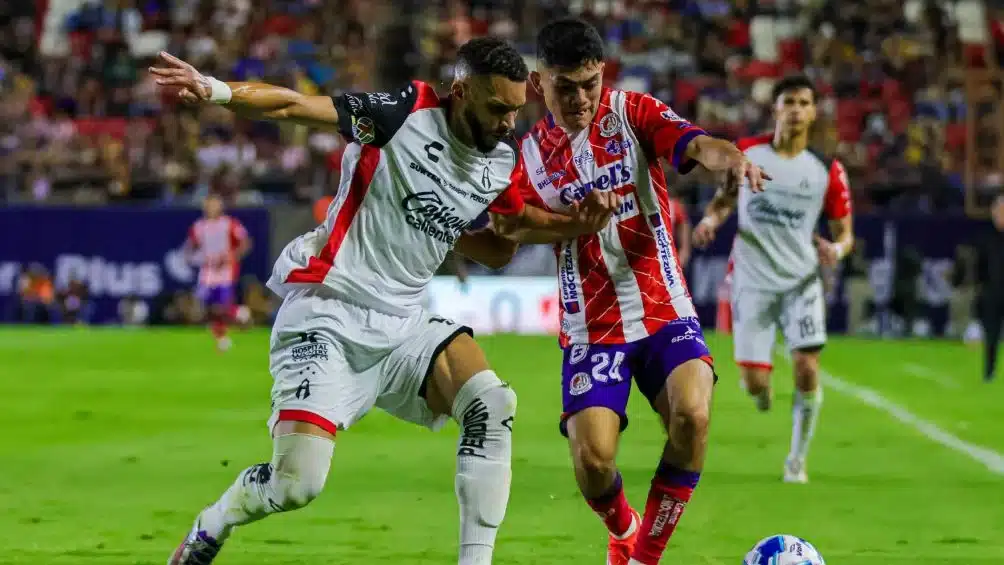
[351, 333]
[777, 258]
[626, 313]
[218, 243]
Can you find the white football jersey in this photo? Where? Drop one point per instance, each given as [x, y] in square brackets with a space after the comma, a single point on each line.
[774, 248]
[409, 188]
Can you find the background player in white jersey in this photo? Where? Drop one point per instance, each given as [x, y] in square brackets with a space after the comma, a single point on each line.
[776, 258]
[351, 333]
[217, 243]
[626, 314]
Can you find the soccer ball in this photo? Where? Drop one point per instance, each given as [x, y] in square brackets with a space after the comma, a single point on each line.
[783, 550]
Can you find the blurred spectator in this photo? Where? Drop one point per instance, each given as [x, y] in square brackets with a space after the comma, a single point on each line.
[74, 303]
[36, 297]
[133, 311]
[80, 120]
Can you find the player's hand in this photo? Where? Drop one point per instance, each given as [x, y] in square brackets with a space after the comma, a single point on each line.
[171, 72]
[827, 250]
[743, 170]
[593, 212]
[704, 233]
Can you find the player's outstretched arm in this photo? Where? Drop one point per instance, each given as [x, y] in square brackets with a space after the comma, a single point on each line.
[536, 225]
[249, 99]
[487, 248]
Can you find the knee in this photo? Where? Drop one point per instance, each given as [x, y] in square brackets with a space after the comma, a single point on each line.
[594, 459]
[690, 420]
[757, 379]
[486, 418]
[302, 470]
[298, 491]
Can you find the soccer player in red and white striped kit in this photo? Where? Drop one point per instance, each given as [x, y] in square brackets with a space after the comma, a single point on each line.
[626, 313]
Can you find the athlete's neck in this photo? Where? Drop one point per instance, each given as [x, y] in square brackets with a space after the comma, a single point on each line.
[790, 144]
[458, 125]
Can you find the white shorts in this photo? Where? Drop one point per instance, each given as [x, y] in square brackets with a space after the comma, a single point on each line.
[333, 361]
[757, 314]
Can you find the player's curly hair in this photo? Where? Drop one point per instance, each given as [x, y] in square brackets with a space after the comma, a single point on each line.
[568, 43]
[792, 82]
[484, 56]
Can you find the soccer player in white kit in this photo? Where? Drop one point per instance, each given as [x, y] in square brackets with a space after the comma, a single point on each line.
[351, 333]
[777, 255]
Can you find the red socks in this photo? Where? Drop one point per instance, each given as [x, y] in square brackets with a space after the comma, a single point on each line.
[667, 498]
[613, 508]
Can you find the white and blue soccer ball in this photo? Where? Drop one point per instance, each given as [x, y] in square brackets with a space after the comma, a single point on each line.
[783, 550]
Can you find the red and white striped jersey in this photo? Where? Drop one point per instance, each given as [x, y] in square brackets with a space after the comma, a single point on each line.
[409, 189]
[774, 248]
[624, 282]
[215, 242]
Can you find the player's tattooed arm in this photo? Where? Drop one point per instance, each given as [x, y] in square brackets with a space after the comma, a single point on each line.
[487, 248]
[536, 225]
[249, 99]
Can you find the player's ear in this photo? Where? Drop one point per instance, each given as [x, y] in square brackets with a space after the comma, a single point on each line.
[457, 90]
[535, 82]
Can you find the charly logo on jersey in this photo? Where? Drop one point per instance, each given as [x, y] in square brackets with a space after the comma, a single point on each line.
[363, 130]
[583, 158]
[762, 209]
[609, 125]
[426, 212]
[617, 174]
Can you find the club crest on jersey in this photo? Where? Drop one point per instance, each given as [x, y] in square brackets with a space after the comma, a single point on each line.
[580, 383]
[617, 174]
[363, 130]
[609, 125]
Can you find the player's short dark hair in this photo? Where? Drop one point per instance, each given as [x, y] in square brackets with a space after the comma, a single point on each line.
[569, 43]
[793, 82]
[484, 56]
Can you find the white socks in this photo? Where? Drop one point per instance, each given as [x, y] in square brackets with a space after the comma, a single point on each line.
[484, 408]
[295, 476]
[805, 413]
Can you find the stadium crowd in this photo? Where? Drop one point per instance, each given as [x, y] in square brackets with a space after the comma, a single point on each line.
[81, 121]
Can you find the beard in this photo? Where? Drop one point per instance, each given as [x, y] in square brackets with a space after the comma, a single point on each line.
[484, 140]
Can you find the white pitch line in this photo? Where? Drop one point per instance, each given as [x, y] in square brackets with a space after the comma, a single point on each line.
[987, 457]
[929, 375]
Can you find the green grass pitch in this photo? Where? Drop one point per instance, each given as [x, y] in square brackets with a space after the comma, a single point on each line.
[114, 439]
